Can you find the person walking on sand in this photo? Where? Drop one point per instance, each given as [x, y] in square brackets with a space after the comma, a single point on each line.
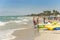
[35, 21]
[44, 20]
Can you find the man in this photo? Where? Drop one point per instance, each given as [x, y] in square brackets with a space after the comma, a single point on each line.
[35, 21]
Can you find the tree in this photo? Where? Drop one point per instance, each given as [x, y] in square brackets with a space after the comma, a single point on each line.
[47, 13]
[55, 13]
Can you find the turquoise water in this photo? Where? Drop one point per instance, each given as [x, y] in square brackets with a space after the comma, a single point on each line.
[12, 21]
[8, 18]
[8, 24]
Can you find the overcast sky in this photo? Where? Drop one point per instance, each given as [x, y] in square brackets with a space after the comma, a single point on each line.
[23, 7]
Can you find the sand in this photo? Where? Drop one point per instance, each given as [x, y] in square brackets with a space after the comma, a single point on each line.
[48, 35]
[33, 34]
[26, 34]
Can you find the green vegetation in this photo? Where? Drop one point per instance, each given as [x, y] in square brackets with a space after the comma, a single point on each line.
[46, 13]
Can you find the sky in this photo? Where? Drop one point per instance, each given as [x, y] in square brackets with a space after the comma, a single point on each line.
[25, 7]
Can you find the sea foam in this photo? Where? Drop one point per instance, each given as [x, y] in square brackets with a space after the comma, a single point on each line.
[8, 27]
[3, 23]
[24, 21]
[7, 34]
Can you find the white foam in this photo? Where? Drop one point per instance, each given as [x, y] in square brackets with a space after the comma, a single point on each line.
[16, 21]
[25, 20]
[20, 21]
[6, 34]
[3, 23]
[19, 18]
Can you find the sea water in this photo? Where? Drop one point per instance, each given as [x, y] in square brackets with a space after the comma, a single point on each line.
[8, 24]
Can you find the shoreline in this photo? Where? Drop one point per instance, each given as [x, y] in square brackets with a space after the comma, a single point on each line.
[26, 34]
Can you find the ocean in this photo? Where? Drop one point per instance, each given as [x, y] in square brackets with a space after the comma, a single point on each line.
[8, 24]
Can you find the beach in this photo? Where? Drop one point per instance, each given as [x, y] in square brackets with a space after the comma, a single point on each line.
[25, 34]
[29, 19]
[49, 35]
[28, 34]
[18, 28]
[32, 34]
[23, 29]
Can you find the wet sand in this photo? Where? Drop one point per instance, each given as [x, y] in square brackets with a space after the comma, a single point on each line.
[26, 34]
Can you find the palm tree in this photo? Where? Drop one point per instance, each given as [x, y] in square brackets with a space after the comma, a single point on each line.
[55, 13]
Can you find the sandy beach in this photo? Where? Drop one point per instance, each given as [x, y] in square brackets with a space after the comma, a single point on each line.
[32, 34]
[26, 34]
[48, 35]
[29, 19]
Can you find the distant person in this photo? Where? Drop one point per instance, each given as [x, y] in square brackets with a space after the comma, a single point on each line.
[35, 21]
[44, 20]
[39, 20]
